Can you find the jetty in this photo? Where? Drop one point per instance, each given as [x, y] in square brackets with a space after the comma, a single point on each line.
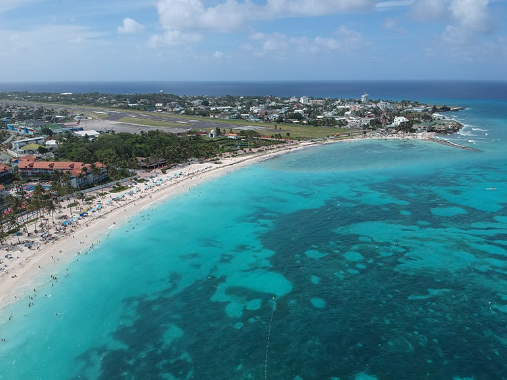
[454, 145]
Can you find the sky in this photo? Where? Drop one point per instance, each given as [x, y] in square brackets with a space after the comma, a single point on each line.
[239, 40]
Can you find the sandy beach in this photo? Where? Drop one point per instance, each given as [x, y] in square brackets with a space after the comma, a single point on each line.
[29, 267]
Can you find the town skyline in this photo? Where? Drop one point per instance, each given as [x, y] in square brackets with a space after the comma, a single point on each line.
[65, 40]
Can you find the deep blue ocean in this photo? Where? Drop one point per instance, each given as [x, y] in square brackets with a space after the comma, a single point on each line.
[384, 90]
[353, 261]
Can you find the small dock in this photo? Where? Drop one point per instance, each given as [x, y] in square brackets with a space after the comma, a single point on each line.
[454, 145]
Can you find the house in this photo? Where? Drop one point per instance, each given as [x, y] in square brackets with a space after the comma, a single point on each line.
[148, 163]
[81, 174]
[5, 170]
[28, 127]
[51, 144]
[398, 120]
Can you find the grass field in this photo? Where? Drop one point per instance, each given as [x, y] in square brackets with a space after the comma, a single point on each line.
[295, 131]
[307, 132]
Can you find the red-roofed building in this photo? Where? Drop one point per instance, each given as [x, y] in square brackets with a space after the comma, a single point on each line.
[5, 170]
[81, 173]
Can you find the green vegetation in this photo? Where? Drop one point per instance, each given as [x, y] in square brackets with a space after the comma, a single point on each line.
[121, 150]
[118, 189]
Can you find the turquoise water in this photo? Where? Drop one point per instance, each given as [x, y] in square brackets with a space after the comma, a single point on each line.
[365, 260]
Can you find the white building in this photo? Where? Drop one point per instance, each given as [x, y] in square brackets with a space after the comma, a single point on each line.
[399, 120]
[51, 144]
[18, 144]
[365, 98]
[305, 100]
[385, 105]
[92, 134]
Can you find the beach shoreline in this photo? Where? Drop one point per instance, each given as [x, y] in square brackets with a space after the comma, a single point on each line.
[31, 268]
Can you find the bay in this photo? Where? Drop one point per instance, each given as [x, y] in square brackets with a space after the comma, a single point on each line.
[363, 260]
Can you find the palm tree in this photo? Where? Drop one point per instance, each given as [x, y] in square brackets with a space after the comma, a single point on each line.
[67, 183]
[20, 186]
[16, 203]
[50, 207]
[95, 172]
[34, 206]
[81, 196]
[36, 202]
[2, 220]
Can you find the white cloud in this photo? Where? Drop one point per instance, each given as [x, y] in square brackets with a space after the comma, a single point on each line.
[257, 36]
[470, 19]
[231, 15]
[130, 26]
[276, 42]
[351, 39]
[48, 38]
[390, 24]
[429, 10]
[218, 54]
[17, 43]
[383, 5]
[172, 38]
[289, 8]
[7, 5]
[327, 43]
[471, 14]
[347, 40]
[50, 51]
[465, 19]
[184, 16]
[77, 40]
[192, 14]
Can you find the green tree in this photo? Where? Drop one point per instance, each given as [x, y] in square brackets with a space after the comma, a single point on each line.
[42, 149]
[37, 202]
